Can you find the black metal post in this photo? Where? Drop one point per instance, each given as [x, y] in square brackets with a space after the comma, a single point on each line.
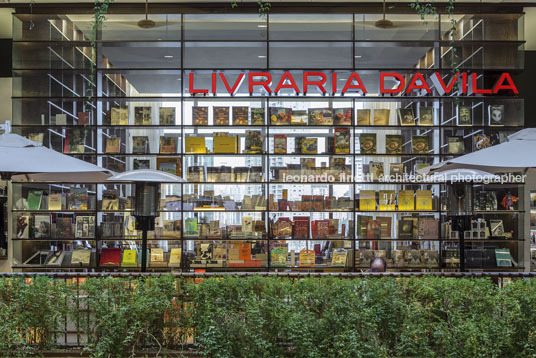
[144, 223]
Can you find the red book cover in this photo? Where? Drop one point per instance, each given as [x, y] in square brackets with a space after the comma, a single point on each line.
[318, 202]
[83, 118]
[110, 257]
[301, 227]
[322, 228]
[314, 233]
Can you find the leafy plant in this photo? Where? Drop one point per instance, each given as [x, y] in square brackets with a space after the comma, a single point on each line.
[264, 7]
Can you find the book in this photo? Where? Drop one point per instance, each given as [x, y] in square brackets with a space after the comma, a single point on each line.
[190, 226]
[226, 144]
[22, 227]
[339, 257]
[455, 145]
[156, 257]
[280, 143]
[142, 116]
[342, 116]
[170, 165]
[429, 228]
[168, 145]
[481, 141]
[387, 200]
[61, 119]
[33, 202]
[247, 224]
[279, 256]
[110, 257]
[254, 142]
[240, 116]
[280, 116]
[430, 258]
[142, 164]
[309, 146]
[420, 145]
[64, 228]
[301, 227]
[307, 258]
[221, 116]
[464, 116]
[367, 200]
[119, 116]
[496, 228]
[399, 258]
[81, 257]
[363, 117]
[199, 116]
[54, 201]
[393, 144]
[365, 256]
[406, 116]
[414, 258]
[140, 144]
[83, 118]
[299, 117]
[405, 229]
[373, 230]
[426, 116]
[385, 226]
[376, 171]
[396, 170]
[175, 257]
[423, 200]
[75, 140]
[367, 143]
[503, 258]
[166, 116]
[257, 116]
[78, 199]
[406, 200]
[194, 144]
[110, 200]
[496, 114]
[129, 258]
[320, 117]
[113, 145]
[342, 140]
[381, 117]
[85, 227]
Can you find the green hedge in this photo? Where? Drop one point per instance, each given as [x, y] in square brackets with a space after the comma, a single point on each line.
[274, 317]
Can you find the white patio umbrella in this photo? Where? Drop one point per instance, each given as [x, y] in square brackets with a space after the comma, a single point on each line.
[21, 158]
[516, 155]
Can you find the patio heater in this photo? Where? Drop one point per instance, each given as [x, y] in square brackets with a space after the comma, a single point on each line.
[147, 195]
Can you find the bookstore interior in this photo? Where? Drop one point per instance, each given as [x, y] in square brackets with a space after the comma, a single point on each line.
[301, 140]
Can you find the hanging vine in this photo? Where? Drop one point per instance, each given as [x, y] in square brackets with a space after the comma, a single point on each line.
[264, 7]
[427, 9]
[100, 9]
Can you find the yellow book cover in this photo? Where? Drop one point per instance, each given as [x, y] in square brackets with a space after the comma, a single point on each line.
[367, 200]
[82, 257]
[54, 201]
[309, 146]
[157, 255]
[195, 145]
[129, 258]
[225, 144]
[175, 256]
[387, 200]
[363, 117]
[424, 200]
[381, 117]
[406, 200]
[339, 257]
[307, 258]
[123, 116]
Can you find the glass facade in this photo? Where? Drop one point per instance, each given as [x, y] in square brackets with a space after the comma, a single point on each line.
[276, 179]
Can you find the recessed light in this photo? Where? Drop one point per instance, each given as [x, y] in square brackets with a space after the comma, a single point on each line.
[261, 26]
[358, 56]
[261, 56]
[343, 79]
[168, 56]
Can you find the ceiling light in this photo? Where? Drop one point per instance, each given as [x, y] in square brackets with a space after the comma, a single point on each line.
[168, 56]
[358, 56]
[343, 79]
[261, 26]
[261, 56]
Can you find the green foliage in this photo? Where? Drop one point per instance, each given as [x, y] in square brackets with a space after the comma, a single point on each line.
[30, 314]
[264, 7]
[273, 317]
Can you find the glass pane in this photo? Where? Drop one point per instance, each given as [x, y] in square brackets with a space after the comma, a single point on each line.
[488, 27]
[311, 55]
[225, 55]
[483, 56]
[393, 55]
[142, 55]
[398, 27]
[51, 56]
[311, 27]
[228, 27]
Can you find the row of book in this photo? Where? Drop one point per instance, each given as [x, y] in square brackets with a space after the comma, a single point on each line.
[390, 200]
[243, 115]
[41, 227]
[76, 199]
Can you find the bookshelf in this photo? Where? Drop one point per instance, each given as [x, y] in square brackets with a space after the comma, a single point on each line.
[238, 210]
